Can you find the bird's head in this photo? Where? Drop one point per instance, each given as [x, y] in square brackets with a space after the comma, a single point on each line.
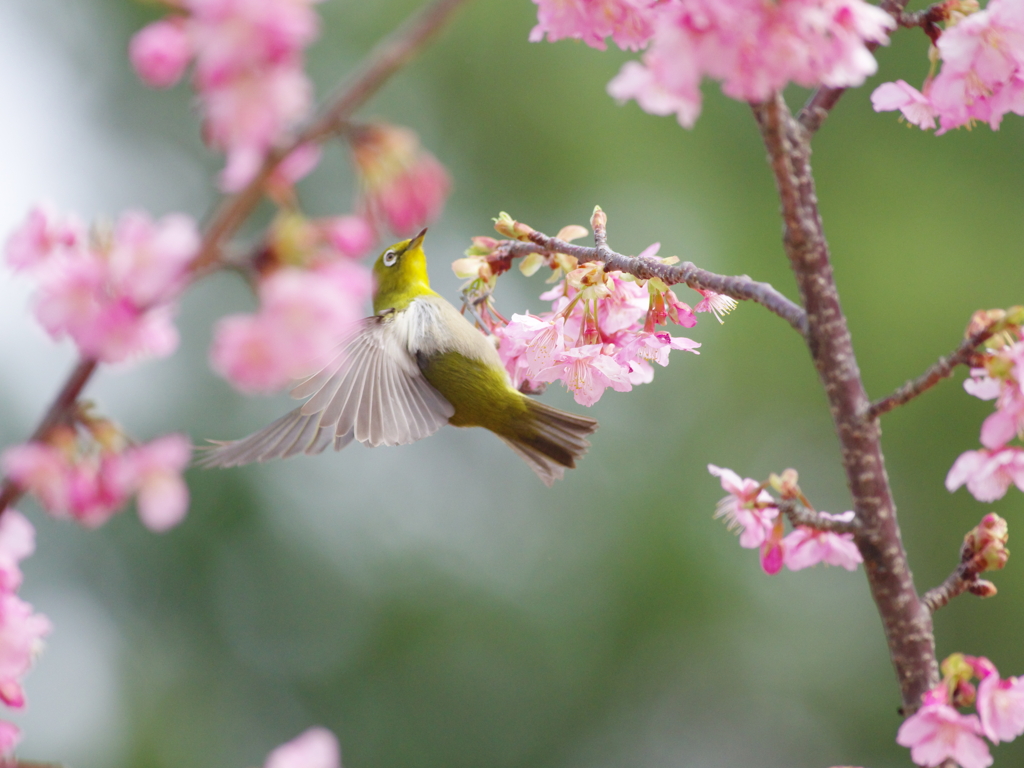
[400, 275]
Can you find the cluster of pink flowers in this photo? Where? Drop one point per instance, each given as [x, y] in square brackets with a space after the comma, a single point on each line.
[752, 509]
[754, 48]
[938, 731]
[248, 71]
[311, 296]
[602, 328]
[315, 748]
[113, 291]
[21, 630]
[89, 475]
[402, 186]
[982, 75]
[988, 473]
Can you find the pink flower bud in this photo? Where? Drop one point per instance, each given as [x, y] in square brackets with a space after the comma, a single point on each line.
[987, 542]
[160, 52]
[351, 236]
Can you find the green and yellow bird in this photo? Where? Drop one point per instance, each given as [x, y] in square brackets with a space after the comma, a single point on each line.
[414, 366]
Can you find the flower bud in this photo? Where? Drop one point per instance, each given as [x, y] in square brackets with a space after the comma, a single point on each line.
[963, 694]
[956, 669]
[599, 219]
[987, 542]
[786, 483]
[482, 246]
[1015, 315]
[982, 588]
[982, 319]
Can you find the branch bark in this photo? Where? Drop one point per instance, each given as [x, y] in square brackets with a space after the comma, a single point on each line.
[738, 287]
[798, 514]
[907, 622]
[943, 368]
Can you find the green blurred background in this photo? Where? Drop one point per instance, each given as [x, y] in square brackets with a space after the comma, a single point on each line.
[434, 605]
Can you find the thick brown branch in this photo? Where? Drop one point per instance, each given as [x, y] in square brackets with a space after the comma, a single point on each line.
[738, 287]
[383, 61]
[906, 621]
[798, 515]
[943, 368]
[824, 98]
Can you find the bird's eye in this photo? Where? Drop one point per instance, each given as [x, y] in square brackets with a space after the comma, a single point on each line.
[390, 257]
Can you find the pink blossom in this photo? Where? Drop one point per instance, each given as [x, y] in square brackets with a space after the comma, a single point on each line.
[748, 506]
[17, 541]
[627, 22]
[315, 748]
[297, 165]
[153, 471]
[303, 316]
[772, 551]
[717, 304]
[21, 634]
[655, 347]
[43, 235]
[624, 307]
[983, 386]
[754, 48]
[350, 236]
[1001, 706]
[914, 105]
[937, 732]
[987, 473]
[587, 372]
[403, 185]
[10, 735]
[541, 341]
[806, 546]
[161, 52]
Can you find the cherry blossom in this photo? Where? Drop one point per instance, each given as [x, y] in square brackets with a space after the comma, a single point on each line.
[805, 546]
[10, 735]
[153, 472]
[587, 373]
[914, 105]
[747, 506]
[315, 748]
[988, 473]
[627, 22]
[17, 541]
[1001, 706]
[716, 303]
[402, 185]
[303, 316]
[161, 52]
[937, 732]
[21, 634]
[351, 236]
[44, 234]
[753, 48]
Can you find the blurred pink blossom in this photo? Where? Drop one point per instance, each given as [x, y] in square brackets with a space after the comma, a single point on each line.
[914, 105]
[1001, 706]
[627, 22]
[153, 472]
[315, 748]
[937, 732]
[988, 473]
[161, 51]
[21, 634]
[747, 506]
[17, 541]
[350, 236]
[10, 735]
[805, 547]
[754, 48]
[44, 234]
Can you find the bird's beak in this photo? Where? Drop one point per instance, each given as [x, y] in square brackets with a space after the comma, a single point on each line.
[418, 240]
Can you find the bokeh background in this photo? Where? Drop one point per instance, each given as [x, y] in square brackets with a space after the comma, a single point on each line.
[434, 605]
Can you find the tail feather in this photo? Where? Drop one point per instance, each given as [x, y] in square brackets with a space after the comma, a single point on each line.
[551, 440]
[293, 433]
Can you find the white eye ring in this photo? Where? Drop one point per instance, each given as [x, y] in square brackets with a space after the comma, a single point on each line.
[390, 258]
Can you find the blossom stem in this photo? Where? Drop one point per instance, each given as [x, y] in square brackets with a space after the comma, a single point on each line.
[57, 413]
[907, 622]
[799, 515]
[824, 98]
[738, 287]
[389, 56]
[943, 368]
[958, 582]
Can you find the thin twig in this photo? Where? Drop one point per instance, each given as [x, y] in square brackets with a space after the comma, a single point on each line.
[824, 98]
[799, 515]
[396, 50]
[943, 368]
[381, 63]
[963, 577]
[738, 287]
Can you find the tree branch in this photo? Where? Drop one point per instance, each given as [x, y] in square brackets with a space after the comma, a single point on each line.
[386, 58]
[738, 287]
[907, 622]
[799, 515]
[821, 102]
[380, 64]
[963, 579]
[943, 368]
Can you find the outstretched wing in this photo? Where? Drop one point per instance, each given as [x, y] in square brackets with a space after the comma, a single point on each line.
[373, 392]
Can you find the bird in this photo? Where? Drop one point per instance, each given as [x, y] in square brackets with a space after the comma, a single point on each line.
[401, 374]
